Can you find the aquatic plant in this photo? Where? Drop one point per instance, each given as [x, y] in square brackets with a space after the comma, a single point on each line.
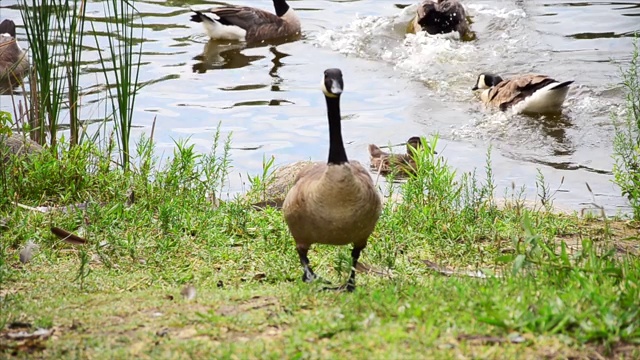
[626, 145]
[54, 32]
[122, 61]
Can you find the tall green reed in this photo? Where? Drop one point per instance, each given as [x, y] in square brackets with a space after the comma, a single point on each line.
[54, 32]
[122, 60]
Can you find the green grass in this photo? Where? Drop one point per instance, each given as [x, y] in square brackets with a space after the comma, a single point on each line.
[564, 286]
[626, 145]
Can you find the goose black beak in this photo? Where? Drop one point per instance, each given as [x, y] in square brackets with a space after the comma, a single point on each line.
[474, 88]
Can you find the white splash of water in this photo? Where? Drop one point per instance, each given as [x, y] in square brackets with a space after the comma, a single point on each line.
[497, 12]
[362, 37]
[429, 58]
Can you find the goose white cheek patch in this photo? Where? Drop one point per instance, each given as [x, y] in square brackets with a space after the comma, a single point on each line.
[335, 87]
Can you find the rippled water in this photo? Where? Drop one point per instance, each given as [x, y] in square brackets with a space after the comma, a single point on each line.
[397, 86]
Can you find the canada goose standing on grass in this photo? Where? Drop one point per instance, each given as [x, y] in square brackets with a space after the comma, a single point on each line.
[14, 64]
[525, 93]
[244, 23]
[336, 202]
[441, 17]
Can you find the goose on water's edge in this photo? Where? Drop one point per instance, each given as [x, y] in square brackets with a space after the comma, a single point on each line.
[244, 23]
[336, 202]
[441, 17]
[401, 164]
[14, 63]
[536, 94]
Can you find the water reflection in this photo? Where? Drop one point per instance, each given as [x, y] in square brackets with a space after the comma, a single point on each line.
[223, 55]
[554, 127]
[277, 64]
[566, 165]
[602, 35]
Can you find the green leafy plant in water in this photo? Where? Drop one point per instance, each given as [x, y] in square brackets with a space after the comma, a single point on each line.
[626, 145]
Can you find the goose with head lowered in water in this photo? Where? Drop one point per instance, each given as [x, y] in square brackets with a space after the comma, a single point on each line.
[441, 17]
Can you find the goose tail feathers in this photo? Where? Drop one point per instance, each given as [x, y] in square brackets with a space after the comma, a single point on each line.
[200, 17]
[562, 85]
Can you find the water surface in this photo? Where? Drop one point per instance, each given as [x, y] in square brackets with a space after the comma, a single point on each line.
[396, 86]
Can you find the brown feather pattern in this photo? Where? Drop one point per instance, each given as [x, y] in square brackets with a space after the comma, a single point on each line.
[402, 164]
[441, 17]
[386, 163]
[14, 63]
[259, 24]
[332, 204]
[511, 91]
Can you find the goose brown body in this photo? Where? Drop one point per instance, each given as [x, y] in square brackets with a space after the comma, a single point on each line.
[336, 202]
[385, 163]
[332, 204]
[441, 17]
[249, 24]
[526, 93]
[14, 63]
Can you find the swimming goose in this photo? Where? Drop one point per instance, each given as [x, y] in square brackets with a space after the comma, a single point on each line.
[441, 17]
[244, 23]
[336, 202]
[524, 93]
[13, 60]
[402, 164]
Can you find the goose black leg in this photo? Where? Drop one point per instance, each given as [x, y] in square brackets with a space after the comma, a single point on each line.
[351, 283]
[355, 255]
[307, 275]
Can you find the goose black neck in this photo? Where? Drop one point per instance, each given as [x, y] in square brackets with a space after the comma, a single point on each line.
[337, 154]
[281, 7]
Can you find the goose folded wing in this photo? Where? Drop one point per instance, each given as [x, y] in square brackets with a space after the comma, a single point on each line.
[312, 168]
[246, 17]
[520, 88]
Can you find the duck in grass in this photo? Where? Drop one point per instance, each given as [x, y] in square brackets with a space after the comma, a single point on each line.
[14, 64]
[249, 24]
[536, 94]
[333, 202]
[441, 17]
[400, 164]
